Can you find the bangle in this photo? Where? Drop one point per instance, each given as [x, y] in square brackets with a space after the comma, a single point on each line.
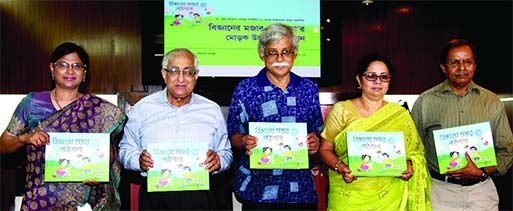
[336, 166]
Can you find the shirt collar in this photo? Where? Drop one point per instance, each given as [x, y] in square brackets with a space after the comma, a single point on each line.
[262, 79]
[446, 87]
[163, 97]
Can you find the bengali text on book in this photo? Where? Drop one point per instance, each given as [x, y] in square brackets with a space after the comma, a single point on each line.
[280, 145]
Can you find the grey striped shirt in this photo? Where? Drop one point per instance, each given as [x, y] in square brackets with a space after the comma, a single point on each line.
[439, 107]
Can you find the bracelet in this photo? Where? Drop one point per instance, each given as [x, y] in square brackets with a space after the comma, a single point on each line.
[336, 166]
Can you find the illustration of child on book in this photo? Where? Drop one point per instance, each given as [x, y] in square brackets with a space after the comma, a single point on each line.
[267, 158]
[188, 175]
[166, 179]
[196, 18]
[287, 150]
[454, 159]
[474, 153]
[63, 169]
[178, 20]
[386, 161]
[365, 166]
[86, 166]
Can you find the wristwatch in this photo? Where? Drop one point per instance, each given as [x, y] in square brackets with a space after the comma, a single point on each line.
[484, 175]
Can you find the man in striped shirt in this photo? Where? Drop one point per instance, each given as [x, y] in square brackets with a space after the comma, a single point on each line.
[456, 102]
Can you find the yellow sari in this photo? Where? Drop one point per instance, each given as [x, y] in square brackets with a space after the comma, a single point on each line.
[376, 193]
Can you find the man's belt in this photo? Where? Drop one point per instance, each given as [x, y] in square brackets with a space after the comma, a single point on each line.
[454, 180]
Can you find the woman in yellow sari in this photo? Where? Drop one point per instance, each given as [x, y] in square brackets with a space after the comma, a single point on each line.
[371, 112]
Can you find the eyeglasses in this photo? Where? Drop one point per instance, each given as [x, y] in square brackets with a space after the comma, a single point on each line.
[273, 53]
[187, 72]
[457, 62]
[372, 76]
[65, 66]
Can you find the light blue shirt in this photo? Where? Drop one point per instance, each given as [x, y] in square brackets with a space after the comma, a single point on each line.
[154, 120]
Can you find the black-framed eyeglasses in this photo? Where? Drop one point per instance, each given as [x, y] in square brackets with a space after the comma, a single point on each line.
[273, 53]
[187, 72]
[65, 66]
[372, 76]
[457, 62]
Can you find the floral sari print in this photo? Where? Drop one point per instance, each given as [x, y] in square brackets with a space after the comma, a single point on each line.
[88, 114]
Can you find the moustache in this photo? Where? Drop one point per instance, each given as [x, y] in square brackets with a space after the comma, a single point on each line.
[461, 73]
[280, 64]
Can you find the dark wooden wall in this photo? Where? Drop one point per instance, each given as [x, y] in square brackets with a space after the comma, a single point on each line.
[412, 34]
[108, 30]
[30, 30]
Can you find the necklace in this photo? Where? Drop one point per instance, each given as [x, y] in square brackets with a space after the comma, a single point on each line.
[54, 93]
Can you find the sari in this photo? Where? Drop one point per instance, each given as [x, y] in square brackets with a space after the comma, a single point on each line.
[377, 193]
[87, 114]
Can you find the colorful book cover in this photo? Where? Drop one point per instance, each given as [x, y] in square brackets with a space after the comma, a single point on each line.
[376, 153]
[452, 143]
[76, 157]
[280, 145]
[178, 167]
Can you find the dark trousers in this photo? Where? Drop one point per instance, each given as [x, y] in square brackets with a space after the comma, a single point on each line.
[175, 200]
[246, 206]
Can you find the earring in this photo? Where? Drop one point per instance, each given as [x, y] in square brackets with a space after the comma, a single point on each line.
[359, 86]
[53, 78]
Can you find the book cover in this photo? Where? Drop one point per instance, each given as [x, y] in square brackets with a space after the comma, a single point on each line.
[280, 145]
[376, 153]
[178, 167]
[451, 144]
[76, 157]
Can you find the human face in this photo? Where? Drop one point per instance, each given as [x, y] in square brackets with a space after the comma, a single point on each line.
[279, 57]
[461, 74]
[70, 77]
[374, 89]
[179, 86]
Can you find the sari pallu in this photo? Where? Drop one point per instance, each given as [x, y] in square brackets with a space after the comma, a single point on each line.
[382, 193]
[88, 114]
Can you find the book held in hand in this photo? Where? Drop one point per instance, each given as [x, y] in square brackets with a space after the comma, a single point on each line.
[280, 145]
[178, 166]
[451, 144]
[376, 153]
[76, 157]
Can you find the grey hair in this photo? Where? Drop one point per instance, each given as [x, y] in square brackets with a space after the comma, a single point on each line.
[274, 33]
[168, 55]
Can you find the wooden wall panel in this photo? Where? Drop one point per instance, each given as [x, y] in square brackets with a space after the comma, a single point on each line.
[108, 30]
[413, 33]
[409, 33]
[30, 30]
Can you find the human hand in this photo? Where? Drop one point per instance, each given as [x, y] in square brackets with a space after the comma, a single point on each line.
[406, 175]
[91, 182]
[213, 162]
[37, 138]
[249, 142]
[346, 175]
[312, 141]
[469, 172]
[145, 161]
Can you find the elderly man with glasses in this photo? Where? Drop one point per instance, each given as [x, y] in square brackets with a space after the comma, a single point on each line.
[275, 94]
[458, 101]
[175, 115]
